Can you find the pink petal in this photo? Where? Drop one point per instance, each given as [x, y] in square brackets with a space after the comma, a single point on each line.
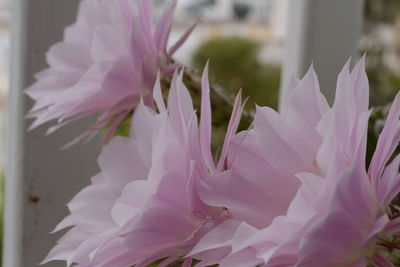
[389, 184]
[282, 145]
[243, 199]
[219, 237]
[164, 26]
[387, 142]
[122, 163]
[232, 128]
[205, 122]
[340, 236]
[157, 95]
[306, 106]
[182, 40]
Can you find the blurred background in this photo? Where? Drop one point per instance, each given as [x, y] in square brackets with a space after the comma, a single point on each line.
[244, 40]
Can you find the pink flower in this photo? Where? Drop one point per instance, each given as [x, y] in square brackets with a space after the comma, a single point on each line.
[144, 204]
[303, 197]
[266, 159]
[107, 61]
[356, 229]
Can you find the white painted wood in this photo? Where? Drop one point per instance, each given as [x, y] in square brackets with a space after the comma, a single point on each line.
[40, 179]
[322, 32]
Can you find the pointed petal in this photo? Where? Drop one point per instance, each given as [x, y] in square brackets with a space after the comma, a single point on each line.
[232, 128]
[282, 145]
[387, 142]
[182, 40]
[180, 106]
[164, 27]
[306, 106]
[340, 236]
[205, 121]
[389, 184]
[157, 95]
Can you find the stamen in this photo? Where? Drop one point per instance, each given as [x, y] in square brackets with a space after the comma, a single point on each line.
[315, 168]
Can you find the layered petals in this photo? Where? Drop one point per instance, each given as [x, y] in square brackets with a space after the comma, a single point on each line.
[107, 62]
[301, 187]
[150, 207]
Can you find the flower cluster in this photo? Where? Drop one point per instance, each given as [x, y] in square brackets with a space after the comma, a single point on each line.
[108, 61]
[293, 190]
[145, 201]
[306, 198]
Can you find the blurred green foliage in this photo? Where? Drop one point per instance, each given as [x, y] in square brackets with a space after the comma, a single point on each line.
[123, 129]
[384, 82]
[381, 11]
[234, 64]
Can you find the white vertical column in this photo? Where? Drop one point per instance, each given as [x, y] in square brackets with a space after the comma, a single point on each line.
[40, 179]
[322, 32]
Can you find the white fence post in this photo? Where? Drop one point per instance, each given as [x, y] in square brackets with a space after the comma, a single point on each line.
[322, 32]
[40, 178]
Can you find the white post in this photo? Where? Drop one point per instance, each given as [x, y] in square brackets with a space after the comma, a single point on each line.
[322, 32]
[40, 179]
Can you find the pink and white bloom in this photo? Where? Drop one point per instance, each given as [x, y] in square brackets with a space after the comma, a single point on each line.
[144, 205]
[107, 61]
[359, 226]
[305, 197]
[266, 159]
